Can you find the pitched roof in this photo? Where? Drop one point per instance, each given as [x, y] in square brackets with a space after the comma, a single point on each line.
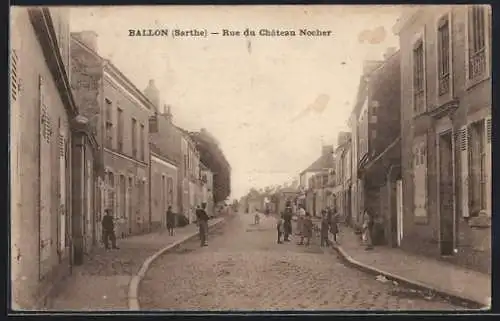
[325, 161]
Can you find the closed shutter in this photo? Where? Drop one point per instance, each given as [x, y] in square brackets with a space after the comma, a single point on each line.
[15, 174]
[464, 170]
[488, 163]
[62, 190]
[45, 186]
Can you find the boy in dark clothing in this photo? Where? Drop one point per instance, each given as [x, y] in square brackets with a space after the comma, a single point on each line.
[203, 218]
[288, 223]
[170, 221]
[108, 230]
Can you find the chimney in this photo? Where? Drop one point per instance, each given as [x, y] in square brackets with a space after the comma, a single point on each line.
[88, 38]
[167, 112]
[153, 94]
[327, 149]
[389, 52]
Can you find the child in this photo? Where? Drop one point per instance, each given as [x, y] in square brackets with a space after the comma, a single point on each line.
[307, 229]
[257, 219]
[324, 230]
[280, 226]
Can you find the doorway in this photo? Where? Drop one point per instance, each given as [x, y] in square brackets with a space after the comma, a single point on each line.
[399, 211]
[445, 188]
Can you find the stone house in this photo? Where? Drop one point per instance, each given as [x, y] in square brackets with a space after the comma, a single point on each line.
[119, 114]
[313, 198]
[446, 132]
[379, 137]
[53, 156]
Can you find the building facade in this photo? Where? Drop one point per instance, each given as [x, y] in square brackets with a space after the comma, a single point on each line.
[190, 169]
[379, 167]
[163, 182]
[120, 114]
[446, 132]
[52, 196]
[207, 185]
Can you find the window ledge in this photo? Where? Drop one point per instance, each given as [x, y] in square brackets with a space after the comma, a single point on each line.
[471, 83]
[421, 220]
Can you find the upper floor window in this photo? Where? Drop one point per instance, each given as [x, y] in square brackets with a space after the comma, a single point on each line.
[418, 77]
[134, 137]
[120, 130]
[143, 145]
[109, 123]
[477, 41]
[444, 56]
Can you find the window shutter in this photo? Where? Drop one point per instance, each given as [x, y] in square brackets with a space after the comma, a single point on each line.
[464, 170]
[488, 163]
[14, 72]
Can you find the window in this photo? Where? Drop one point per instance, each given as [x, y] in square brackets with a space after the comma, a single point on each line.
[109, 123]
[420, 177]
[477, 41]
[477, 166]
[170, 191]
[120, 130]
[185, 165]
[123, 197]
[111, 192]
[134, 137]
[444, 56]
[418, 78]
[143, 145]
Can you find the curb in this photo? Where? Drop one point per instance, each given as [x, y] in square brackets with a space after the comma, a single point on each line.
[453, 297]
[133, 287]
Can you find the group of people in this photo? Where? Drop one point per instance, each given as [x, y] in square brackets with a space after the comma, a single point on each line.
[108, 225]
[305, 226]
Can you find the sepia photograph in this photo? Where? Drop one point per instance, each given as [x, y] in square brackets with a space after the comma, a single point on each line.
[238, 159]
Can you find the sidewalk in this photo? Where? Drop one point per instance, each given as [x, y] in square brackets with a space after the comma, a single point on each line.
[101, 283]
[419, 271]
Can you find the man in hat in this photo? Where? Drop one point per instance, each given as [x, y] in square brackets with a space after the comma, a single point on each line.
[108, 230]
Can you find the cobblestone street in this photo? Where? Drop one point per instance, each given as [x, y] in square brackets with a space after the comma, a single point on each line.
[243, 268]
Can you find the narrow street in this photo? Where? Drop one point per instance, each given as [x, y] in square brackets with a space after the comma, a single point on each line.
[243, 268]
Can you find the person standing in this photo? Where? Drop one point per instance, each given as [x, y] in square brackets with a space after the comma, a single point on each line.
[202, 218]
[108, 230]
[280, 226]
[367, 228]
[288, 222]
[334, 225]
[325, 225]
[300, 219]
[307, 229]
[170, 221]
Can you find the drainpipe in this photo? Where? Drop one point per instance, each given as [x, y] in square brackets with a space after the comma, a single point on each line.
[149, 192]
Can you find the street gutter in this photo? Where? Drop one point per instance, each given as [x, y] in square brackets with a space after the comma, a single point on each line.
[133, 288]
[455, 298]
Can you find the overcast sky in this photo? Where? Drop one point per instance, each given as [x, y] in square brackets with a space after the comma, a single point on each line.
[270, 101]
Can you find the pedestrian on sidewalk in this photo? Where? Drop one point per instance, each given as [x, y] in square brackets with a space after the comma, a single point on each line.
[280, 226]
[288, 222]
[307, 229]
[334, 226]
[367, 228]
[108, 230]
[325, 225]
[170, 221]
[202, 218]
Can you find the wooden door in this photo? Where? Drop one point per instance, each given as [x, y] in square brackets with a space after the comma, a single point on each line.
[446, 214]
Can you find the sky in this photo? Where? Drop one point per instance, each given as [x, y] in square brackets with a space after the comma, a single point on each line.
[272, 102]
